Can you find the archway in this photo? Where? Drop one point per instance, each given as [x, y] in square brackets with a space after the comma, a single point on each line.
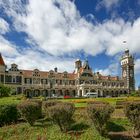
[80, 93]
[73, 93]
[67, 92]
[116, 94]
[112, 93]
[104, 93]
[92, 90]
[125, 92]
[19, 90]
[45, 93]
[107, 93]
[121, 92]
[36, 92]
[60, 93]
[28, 93]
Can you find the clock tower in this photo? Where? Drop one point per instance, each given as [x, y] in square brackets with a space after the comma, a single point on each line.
[127, 64]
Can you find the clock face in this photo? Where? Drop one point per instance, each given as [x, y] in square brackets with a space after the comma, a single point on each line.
[124, 73]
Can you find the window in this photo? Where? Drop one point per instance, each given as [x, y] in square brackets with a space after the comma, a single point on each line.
[28, 81]
[60, 82]
[86, 75]
[14, 79]
[14, 67]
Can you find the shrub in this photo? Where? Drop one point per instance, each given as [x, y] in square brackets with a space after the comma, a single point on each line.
[61, 114]
[97, 102]
[120, 104]
[8, 114]
[48, 104]
[4, 91]
[30, 111]
[100, 114]
[132, 111]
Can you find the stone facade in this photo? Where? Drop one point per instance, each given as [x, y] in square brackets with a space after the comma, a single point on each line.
[78, 83]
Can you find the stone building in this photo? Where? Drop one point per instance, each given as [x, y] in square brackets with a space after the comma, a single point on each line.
[78, 83]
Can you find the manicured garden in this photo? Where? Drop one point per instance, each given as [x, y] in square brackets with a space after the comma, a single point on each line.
[79, 120]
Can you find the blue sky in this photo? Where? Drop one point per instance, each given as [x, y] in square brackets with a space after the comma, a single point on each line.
[53, 33]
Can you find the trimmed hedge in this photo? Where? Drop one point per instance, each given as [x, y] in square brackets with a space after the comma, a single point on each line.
[48, 104]
[100, 114]
[39, 102]
[132, 111]
[97, 102]
[8, 114]
[120, 104]
[30, 111]
[62, 114]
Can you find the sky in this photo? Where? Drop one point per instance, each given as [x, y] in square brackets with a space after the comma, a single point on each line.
[45, 34]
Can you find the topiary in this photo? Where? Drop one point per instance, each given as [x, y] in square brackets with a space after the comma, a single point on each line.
[30, 111]
[132, 111]
[61, 114]
[8, 114]
[100, 115]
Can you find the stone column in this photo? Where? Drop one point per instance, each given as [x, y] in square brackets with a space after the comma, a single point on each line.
[83, 92]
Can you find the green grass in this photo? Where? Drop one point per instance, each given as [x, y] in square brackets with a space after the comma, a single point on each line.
[10, 100]
[83, 129]
[49, 131]
[80, 104]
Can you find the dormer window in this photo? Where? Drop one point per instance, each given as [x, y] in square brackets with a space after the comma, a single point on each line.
[36, 72]
[14, 67]
[51, 73]
[65, 74]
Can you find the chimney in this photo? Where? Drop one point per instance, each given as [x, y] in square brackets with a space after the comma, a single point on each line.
[55, 69]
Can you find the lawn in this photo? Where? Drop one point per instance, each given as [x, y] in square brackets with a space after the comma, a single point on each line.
[45, 130]
[82, 129]
[78, 102]
[10, 100]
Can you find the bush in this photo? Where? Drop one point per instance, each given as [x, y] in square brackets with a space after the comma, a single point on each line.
[132, 111]
[39, 102]
[97, 102]
[120, 104]
[47, 104]
[61, 114]
[4, 91]
[100, 114]
[8, 114]
[30, 111]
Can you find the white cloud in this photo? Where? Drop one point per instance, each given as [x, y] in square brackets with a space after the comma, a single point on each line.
[112, 69]
[32, 60]
[7, 48]
[137, 66]
[108, 4]
[4, 26]
[58, 29]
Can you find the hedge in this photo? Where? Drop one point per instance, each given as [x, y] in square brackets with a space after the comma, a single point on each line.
[8, 114]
